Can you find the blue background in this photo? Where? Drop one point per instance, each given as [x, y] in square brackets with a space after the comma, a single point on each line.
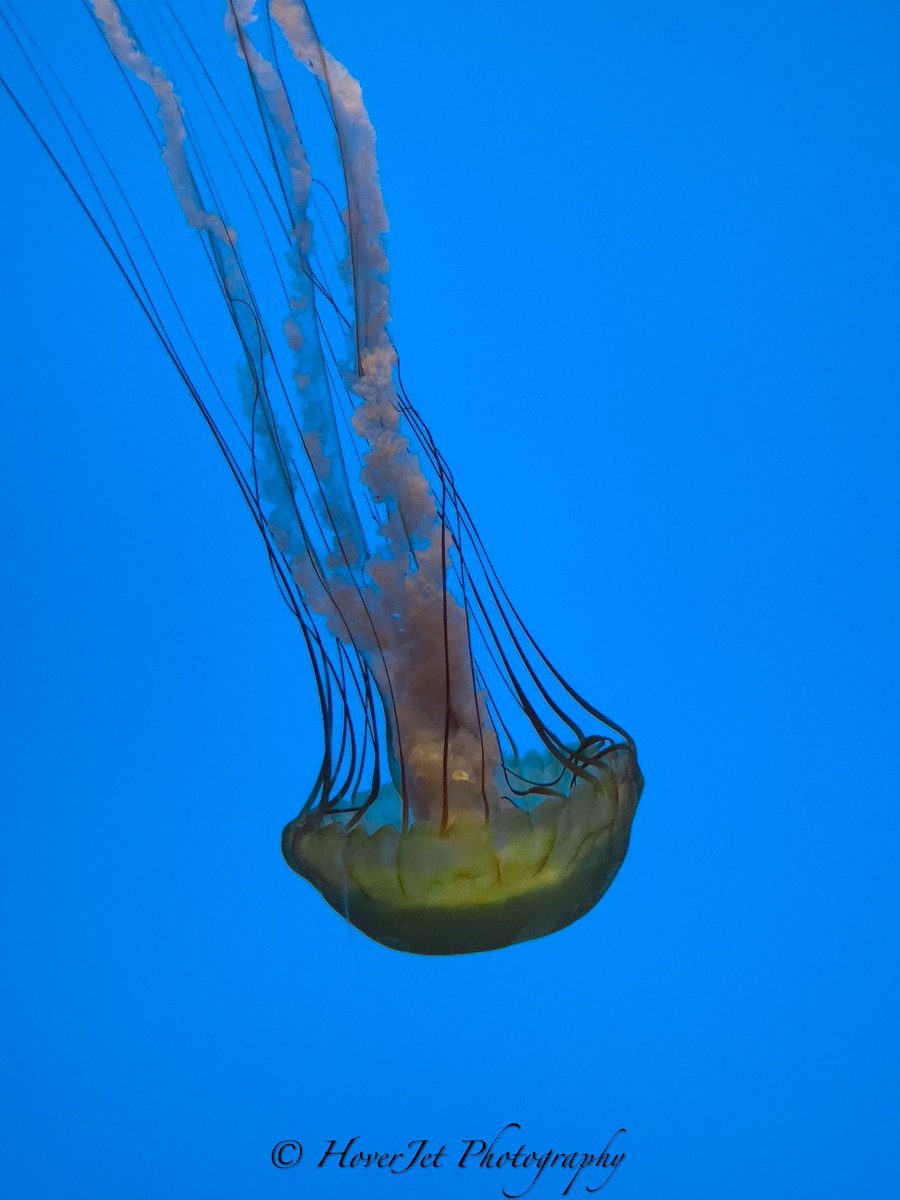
[645, 291]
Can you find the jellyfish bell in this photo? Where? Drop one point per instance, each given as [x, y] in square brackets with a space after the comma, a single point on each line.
[467, 797]
[476, 883]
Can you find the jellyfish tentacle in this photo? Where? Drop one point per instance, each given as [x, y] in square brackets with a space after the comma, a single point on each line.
[274, 478]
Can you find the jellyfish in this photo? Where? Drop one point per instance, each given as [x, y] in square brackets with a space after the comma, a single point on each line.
[467, 797]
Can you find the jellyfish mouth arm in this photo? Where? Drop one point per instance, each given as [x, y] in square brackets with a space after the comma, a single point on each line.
[390, 472]
[366, 214]
[124, 45]
[317, 418]
[399, 617]
[423, 648]
[418, 651]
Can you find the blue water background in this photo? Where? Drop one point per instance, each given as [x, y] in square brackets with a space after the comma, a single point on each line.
[645, 291]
